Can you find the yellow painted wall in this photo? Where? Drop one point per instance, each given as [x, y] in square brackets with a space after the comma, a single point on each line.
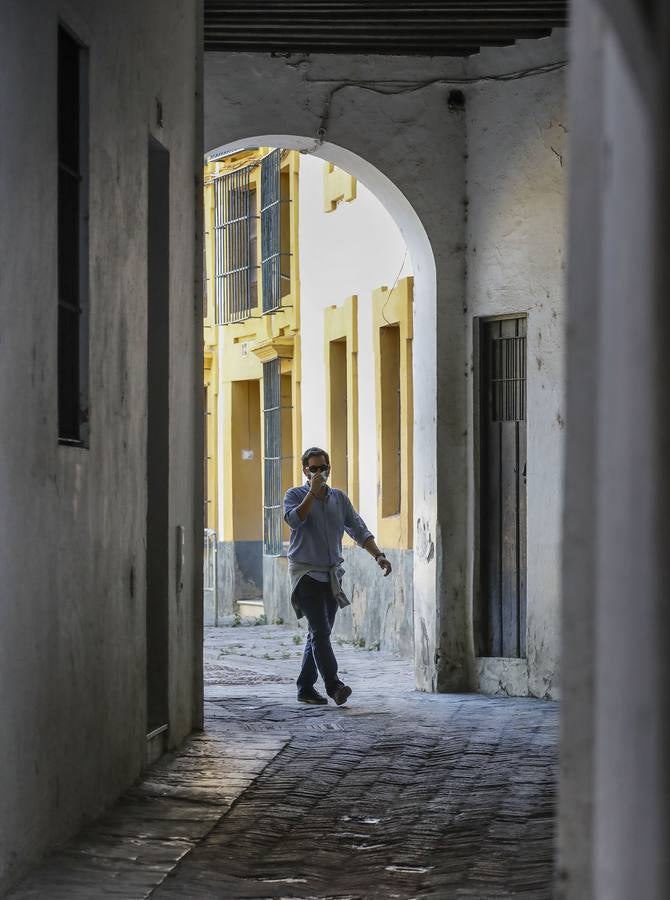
[338, 186]
[240, 350]
[392, 330]
[211, 441]
[246, 461]
[341, 377]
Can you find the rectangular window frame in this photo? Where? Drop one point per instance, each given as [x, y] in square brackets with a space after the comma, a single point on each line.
[500, 387]
[275, 250]
[73, 240]
[235, 254]
[274, 460]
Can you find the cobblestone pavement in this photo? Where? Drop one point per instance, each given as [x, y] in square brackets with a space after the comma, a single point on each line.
[398, 794]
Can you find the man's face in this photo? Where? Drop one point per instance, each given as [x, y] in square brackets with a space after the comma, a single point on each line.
[317, 465]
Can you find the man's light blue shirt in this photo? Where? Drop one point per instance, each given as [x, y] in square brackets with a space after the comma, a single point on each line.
[318, 540]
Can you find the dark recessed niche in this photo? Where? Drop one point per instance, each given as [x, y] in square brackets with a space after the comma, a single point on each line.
[456, 100]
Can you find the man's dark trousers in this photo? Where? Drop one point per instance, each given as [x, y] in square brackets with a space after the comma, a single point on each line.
[316, 600]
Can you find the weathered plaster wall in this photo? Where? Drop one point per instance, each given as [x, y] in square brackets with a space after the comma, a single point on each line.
[72, 521]
[276, 589]
[388, 122]
[381, 611]
[516, 145]
[240, 574]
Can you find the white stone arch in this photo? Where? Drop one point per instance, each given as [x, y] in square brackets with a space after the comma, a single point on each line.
[421, 253]
[389, 195]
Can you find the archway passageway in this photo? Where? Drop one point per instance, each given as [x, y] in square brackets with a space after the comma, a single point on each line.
[102, 653]
[478, 197]
[338, 345]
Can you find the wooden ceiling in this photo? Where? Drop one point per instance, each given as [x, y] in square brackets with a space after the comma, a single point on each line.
[418, 27]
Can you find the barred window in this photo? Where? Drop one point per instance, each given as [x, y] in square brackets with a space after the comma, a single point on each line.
[275, 249]
[235, 255]
[272, 504]
[508, 379]
[278, 438]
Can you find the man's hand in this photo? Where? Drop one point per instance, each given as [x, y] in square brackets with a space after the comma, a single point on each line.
[384, 565]
[316, 483]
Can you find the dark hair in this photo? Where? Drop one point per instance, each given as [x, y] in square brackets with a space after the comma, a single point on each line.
[314, 451]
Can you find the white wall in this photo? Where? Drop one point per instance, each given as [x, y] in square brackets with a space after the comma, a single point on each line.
[72, 521]
[516, 140]
[354, 249]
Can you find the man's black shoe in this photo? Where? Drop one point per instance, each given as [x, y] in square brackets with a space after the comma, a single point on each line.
[341, 694]
[312, 696]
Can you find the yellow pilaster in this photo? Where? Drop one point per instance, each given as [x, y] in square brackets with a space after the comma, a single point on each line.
[338, 186]
[393, 309]
[341, 334]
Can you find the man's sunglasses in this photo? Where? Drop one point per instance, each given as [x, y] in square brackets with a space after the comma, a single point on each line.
[315, 469]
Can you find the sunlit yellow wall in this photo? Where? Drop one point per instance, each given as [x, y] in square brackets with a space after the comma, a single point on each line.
[210, 380]
[338, 186]
[341, 347]
[394, 308]
[211, 450]
[240, 350]
[246, 476]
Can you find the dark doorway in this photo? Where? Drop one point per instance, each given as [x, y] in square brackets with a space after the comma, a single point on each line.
[501, 607]
[158, 378]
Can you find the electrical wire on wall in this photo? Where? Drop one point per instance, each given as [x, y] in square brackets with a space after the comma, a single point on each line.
[409, 87]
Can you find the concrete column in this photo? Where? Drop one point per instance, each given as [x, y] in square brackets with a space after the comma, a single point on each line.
[614, 792]
[662, 445]
[454, 662]
[578, 590]
[198, 404]
[628, 700]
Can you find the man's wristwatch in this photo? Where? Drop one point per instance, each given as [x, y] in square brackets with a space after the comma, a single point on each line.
[380, 556]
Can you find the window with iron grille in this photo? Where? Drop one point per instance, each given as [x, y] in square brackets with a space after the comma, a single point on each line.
[72, 93]
[275, 250]
[235, 255]
[508, 379]
[272, 505]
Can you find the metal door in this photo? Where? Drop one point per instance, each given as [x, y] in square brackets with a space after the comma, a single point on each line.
[501, 619]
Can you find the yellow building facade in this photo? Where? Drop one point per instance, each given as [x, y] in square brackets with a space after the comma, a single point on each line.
[255, 334]
[252, 359]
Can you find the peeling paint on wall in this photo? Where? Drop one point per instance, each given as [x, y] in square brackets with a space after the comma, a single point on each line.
[425, 548]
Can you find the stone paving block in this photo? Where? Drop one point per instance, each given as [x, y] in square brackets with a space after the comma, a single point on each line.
[398, 794]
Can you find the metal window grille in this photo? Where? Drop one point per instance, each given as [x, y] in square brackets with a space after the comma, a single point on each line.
[508, 384]
[273, 499]
[272, 257]
[234, 245]
[72, 240]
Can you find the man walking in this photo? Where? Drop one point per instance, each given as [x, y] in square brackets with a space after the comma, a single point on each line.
[318, 516]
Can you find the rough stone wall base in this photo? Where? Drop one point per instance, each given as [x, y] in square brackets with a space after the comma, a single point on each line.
[381, 614]
[239, 574]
